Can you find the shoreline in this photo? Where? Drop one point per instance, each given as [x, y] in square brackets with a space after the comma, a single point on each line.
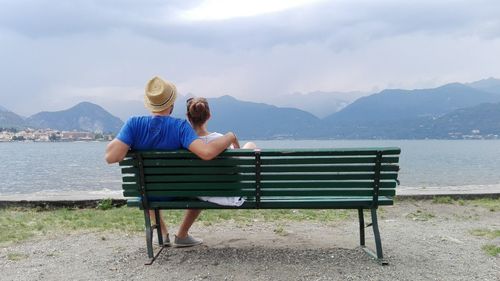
[402, 191]
[90, 199]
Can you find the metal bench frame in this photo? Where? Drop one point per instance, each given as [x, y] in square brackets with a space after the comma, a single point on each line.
[136, 160]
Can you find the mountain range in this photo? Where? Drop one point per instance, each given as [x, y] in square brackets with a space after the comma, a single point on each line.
[320, 104]
[84, 116]
[404, 113]
[450, 111]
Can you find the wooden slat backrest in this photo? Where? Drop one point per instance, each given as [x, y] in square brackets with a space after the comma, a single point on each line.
[283, 172]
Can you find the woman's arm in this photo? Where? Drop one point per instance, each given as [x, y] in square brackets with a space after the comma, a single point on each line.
[208, 151]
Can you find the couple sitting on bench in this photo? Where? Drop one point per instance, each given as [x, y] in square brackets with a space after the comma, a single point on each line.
[161, 131]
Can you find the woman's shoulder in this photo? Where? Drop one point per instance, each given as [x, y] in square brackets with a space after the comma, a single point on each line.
[215, 135]
[210, 137]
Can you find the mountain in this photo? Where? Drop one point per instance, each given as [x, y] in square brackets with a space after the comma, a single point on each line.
[9, 119]
[84, 116]
[256, 120]
[483, 119]
[321, 104]
[401, 113]
[490, 85]
[393, 105]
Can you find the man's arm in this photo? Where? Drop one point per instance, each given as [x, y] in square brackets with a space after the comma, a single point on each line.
[116, 151]
[212, 149]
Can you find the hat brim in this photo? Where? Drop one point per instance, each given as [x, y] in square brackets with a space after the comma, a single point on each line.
[154, 108]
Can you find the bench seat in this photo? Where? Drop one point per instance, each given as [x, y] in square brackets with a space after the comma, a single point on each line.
[334, 202]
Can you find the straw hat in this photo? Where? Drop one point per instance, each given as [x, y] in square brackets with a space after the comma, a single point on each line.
[159, 95]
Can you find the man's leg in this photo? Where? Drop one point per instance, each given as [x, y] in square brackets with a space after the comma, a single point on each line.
[189, 218]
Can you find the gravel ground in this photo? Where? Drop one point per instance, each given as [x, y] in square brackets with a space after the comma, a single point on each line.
[421, 241]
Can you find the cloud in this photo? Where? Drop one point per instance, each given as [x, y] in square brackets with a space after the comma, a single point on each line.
[335, 22]
[55, 52]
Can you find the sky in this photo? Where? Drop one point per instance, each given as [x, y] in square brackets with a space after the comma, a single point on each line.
[54, 53]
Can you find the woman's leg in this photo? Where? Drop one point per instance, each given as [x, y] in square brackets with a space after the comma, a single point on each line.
[162, 223]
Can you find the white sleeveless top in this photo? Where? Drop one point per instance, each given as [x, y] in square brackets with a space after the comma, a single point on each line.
[224, 201]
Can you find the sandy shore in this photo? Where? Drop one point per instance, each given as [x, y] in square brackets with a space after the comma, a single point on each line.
[421, 240]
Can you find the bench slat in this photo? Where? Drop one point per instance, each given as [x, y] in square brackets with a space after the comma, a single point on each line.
[278, 203]
[264, 185]
[327, 176]
[276, 152]
[191, 193]
[324, 168]
[265, 161]
[331, 151]
[194, 178]
[190, 170]
[325, 184]
[349, 192]
[325, 160]
[192, 186]
[264, 169]
[325, 192]
[264, 177]
[193, 162]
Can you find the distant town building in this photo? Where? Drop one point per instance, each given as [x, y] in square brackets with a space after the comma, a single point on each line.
[46, 135]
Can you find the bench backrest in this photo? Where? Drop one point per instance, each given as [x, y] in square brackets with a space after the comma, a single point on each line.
[264, 175]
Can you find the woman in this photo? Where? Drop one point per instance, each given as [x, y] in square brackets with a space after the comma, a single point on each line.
[198, 113]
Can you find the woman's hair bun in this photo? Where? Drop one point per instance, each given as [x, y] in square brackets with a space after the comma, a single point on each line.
[198, 111]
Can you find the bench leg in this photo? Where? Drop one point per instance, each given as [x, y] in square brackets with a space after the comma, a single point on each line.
[378, 242]
[361, 227]
[376, 233]
[158, 227]
[149, 238]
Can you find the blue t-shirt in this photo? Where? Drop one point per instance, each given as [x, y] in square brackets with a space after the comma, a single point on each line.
[157, 132]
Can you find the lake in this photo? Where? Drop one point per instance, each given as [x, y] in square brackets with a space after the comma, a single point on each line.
[53, 168]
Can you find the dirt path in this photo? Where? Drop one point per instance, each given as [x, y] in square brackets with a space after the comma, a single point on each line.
[421, 240]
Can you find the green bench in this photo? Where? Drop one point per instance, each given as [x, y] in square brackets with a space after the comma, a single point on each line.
[347, 178]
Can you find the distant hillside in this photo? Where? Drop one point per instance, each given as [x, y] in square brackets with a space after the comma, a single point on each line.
[84, 116]
[9, 119]
[257, 120]
[321, 104]
[490, 85]
[393, 105]
[390, 105]
[483, 119]
[401, 113]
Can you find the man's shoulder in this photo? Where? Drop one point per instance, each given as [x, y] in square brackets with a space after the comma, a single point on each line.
[157, 120]
[178, 121]
[132, 119]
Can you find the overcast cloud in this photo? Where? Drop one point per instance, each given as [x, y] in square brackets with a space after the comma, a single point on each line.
[54, 54]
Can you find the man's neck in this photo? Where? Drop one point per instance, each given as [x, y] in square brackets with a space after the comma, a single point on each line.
[165, 112]
[160, 114]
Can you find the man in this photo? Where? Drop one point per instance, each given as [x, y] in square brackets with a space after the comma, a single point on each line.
[161, 131]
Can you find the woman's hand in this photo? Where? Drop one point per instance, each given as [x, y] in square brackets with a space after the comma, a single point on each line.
[235, 142]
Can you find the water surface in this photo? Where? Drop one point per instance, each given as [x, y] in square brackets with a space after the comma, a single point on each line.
[29, 167]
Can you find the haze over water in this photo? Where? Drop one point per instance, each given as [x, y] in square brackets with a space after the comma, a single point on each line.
[29, 167]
